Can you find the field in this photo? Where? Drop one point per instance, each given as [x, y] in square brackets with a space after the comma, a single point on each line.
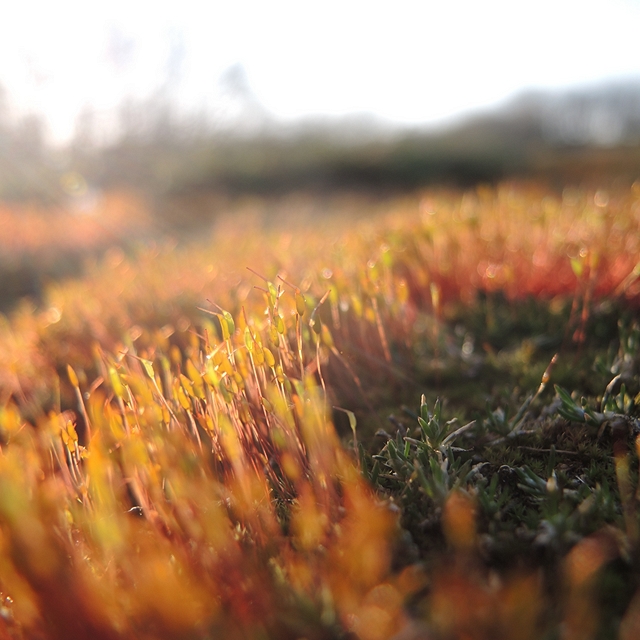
[407, 417]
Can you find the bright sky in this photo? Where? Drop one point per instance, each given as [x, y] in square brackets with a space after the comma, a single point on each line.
[406, 61]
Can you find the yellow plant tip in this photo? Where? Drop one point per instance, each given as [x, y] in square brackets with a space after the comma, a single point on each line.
[183, 398]
[327, 338]
[402, 291]
[230, 441]
[11, 422]
[309, 523]
[272, 294]
[186, 385]
[547, 373]
[435, 295]
[301, 303]
[73, 378]
[315, 324]
[148, 368]
[175, 355]
[231, 327]
[193, 373]
[356, 304]
[459, 521]
[116, 426]
[210, 375]
[352, 418]
[225, 365]
[588, 556]
[268, 357]
[248, 339]
[577, 265]
[116, 383]
[290, 467]
[278, 438]
[259, 356]
[224, 326]
[69, 436]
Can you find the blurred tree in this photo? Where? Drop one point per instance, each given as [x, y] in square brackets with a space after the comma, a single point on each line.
[29, 140]
[84, 137]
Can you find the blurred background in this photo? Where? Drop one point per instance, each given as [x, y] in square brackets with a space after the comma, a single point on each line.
[124, 119]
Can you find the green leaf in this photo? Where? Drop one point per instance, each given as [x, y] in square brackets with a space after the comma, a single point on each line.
[424, 409]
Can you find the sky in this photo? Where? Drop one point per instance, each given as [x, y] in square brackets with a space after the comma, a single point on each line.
[407, 62]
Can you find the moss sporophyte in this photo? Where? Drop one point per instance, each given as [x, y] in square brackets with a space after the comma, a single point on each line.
[400, 425]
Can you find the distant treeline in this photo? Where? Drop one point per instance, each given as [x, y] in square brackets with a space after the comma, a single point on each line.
[564, 136]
